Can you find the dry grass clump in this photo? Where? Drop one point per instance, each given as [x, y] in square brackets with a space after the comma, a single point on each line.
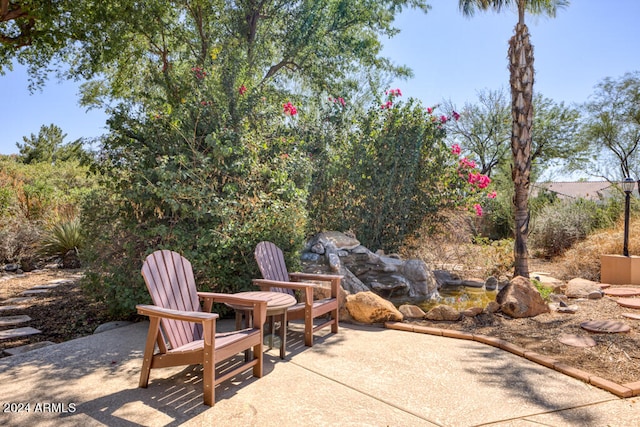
[583, 259]
[451, 246]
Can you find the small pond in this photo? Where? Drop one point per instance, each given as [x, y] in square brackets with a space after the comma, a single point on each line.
[460, 298]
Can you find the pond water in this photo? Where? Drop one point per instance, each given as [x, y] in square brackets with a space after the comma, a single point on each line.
[460, 298]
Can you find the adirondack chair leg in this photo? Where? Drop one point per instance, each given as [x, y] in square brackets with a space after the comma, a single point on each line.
[257, 368]
[308, 331]
[334, 317]
[208, 376]
[150, 345]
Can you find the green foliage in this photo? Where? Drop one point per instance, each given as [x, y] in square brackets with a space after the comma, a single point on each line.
[561, 224]
[545, 291]
[385, 175]
[32, 198]
[49, 147]
[612, 126]
[186, 182]
[201, 158]
[63, 237]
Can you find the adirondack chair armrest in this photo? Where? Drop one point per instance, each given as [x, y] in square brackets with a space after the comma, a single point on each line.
[167, 313]
[266, 283]
[333, 278]
[312, 276]
[306, 288]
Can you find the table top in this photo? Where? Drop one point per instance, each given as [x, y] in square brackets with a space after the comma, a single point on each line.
[275, 300]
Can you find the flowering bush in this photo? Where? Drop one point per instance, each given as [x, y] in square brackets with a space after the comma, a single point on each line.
[474, 179]
[289, 109]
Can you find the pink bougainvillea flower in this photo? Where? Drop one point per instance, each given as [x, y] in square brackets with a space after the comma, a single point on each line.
[199, 73]
[455, 115]
[393, 92]
[492, 195]
[455, 149]
[466, 163]
[481, 181]
[289, 109]
[443, 119]
[429, 110]
[342, 102]
[242, 90]
[478, 209]
[386, 105]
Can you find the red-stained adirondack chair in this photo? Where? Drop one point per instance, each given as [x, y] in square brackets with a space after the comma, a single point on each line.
[276, 278]
[184, 332]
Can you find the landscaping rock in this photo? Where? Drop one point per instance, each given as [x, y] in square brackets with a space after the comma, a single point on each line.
[491, 283]
[411, 311]
[472, 312]
[492, 307]
[581, 288]
[443, 312]
[595, 294]
[521, 299]
[389, 276]
[367, 307]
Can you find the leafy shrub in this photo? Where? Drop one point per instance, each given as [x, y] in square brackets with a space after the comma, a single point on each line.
[386, 176]
[545, 291]
[583, 258]
[453, 247]
[19, 240]
[34, 196]
[561, 224]
[211, 203]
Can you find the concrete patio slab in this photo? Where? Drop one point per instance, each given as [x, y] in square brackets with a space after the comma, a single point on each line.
[362, 376]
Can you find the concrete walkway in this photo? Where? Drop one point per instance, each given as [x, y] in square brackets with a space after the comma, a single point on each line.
[363, 376]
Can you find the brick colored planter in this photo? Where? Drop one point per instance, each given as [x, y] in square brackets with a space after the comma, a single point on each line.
[620, 269]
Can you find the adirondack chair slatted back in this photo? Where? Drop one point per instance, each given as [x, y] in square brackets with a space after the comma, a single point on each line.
[271, 262]
[170, 281]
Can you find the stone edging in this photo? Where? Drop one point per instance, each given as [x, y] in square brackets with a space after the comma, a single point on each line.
[620, 390]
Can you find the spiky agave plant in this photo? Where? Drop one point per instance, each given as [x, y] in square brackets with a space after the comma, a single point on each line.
[63, 237]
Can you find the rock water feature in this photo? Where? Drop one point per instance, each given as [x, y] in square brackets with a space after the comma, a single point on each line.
[391, 278]
[388, 276]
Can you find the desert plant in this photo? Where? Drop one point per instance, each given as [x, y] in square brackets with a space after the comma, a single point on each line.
[19, 240]
[583, 258]
[561, 224]
[453, 247]
[63, 237]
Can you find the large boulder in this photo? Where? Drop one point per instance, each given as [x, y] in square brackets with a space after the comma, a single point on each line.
[582, 288]
[367, 307]
[520, 298]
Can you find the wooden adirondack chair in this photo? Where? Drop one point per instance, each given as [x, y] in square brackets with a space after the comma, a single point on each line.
[184, 333]
[276, 278]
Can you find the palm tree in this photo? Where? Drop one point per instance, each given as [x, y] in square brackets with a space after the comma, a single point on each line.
[521, 81]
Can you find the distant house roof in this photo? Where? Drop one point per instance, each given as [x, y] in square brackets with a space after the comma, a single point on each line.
[590, 190]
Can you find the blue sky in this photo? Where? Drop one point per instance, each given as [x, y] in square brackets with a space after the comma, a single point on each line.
[452, 57]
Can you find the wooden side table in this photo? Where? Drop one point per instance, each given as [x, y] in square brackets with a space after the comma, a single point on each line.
[277, 305]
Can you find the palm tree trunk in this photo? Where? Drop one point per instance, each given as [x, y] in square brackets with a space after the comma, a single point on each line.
[521, 80]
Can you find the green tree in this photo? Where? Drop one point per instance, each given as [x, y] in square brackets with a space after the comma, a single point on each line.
[483, 128]
[49, 146]
[205, 154]
[612, 124]
[521, 72]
